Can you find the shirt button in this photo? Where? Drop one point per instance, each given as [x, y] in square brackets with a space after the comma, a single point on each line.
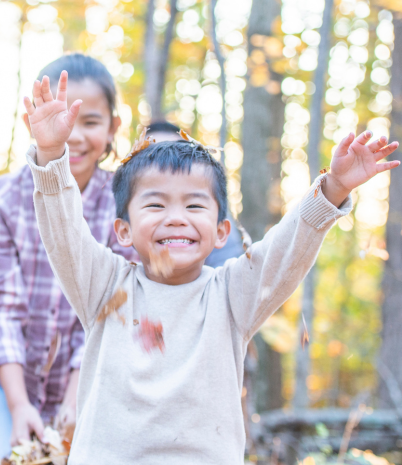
[47, 348]
[52, 311]
[42, 379]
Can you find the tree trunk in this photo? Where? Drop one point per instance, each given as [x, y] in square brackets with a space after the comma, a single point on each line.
[300, 399]
[392, 279]
[260, 185]
[156, 59]
[222, 81]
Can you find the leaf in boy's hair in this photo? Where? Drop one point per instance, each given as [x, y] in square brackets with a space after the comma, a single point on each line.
[161, 264]
[305, 339]
[139, 145]
[151, 335]
[53, 351]
[113, 304]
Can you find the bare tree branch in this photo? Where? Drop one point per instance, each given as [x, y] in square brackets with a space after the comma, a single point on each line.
[222, 81]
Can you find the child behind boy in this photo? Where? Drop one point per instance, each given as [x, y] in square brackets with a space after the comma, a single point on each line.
[161, 378]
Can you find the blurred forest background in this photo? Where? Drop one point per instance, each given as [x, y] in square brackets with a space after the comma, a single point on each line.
[278, 84]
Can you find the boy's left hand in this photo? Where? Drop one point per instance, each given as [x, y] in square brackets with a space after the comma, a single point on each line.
[354, 163]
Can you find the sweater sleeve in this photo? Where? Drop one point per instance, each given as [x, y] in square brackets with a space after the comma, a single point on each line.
[278, 264]
[85, 269]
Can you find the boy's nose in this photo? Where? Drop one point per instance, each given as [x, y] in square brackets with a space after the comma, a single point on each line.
[176, 217]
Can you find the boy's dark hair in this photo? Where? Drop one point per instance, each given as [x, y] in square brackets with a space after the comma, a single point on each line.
[79, 68]
[163, 126]
[175, 156]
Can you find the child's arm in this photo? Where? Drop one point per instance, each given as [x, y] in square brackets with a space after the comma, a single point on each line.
[25, 417]
[86, 269]
[258, 287]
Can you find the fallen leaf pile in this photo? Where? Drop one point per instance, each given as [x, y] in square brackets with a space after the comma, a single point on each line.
[54, 452]
[113, 304]
[151, 335]
[161, 264]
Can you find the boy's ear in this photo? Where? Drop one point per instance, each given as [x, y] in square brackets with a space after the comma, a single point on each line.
[123, 232]
[224, 228]
[114, 126]
[26, 121]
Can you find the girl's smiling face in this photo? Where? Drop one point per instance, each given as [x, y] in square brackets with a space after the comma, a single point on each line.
[93, 130]
[177, 211]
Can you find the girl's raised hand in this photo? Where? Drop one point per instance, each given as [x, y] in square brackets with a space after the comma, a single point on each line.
[355, 162]
[51, 122]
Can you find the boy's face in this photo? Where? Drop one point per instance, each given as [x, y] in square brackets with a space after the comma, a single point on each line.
[178, 211]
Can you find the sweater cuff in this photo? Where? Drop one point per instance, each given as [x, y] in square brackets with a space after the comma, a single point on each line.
[52, 178]
[318, 211]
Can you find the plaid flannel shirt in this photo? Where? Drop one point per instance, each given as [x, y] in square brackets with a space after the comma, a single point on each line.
[32, 305]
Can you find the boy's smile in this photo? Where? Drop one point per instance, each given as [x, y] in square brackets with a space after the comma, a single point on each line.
[177, 211]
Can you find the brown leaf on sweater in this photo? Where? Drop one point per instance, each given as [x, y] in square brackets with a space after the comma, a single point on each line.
[151, 335]
[113, 304]
[161, 264]
[325, 170]
[305, 339]
[53, 351]
[320, 182]
[139, 145]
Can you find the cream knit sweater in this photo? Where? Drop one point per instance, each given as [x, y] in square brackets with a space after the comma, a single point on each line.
[181, 407]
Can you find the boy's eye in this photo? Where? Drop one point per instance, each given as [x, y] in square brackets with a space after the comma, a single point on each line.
[195, 206]
[155, 205]
[91, 123]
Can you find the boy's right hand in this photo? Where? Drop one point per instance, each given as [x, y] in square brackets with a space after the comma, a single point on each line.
[26, 420]
[51, 122]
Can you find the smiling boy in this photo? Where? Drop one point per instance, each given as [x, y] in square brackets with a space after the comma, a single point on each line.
[181, 405]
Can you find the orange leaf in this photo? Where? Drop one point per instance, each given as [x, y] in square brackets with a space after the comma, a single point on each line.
[139, 145]
[113, 304]
[161, 264]
[247, 241]
[151, 335]
[305, 339]
[53, 351]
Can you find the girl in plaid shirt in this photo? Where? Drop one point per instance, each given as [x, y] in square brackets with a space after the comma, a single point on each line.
[35, 317]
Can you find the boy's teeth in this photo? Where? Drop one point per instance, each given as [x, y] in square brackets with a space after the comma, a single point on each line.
[170, 241]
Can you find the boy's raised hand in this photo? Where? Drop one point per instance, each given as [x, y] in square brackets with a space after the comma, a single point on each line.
[51, 122]
[354, 163]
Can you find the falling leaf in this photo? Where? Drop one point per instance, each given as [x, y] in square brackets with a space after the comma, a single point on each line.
[247, 242]
[53, 351]
[161, 264]
[113, 304]
[305, 339]
[139, 145]
[151, 335]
